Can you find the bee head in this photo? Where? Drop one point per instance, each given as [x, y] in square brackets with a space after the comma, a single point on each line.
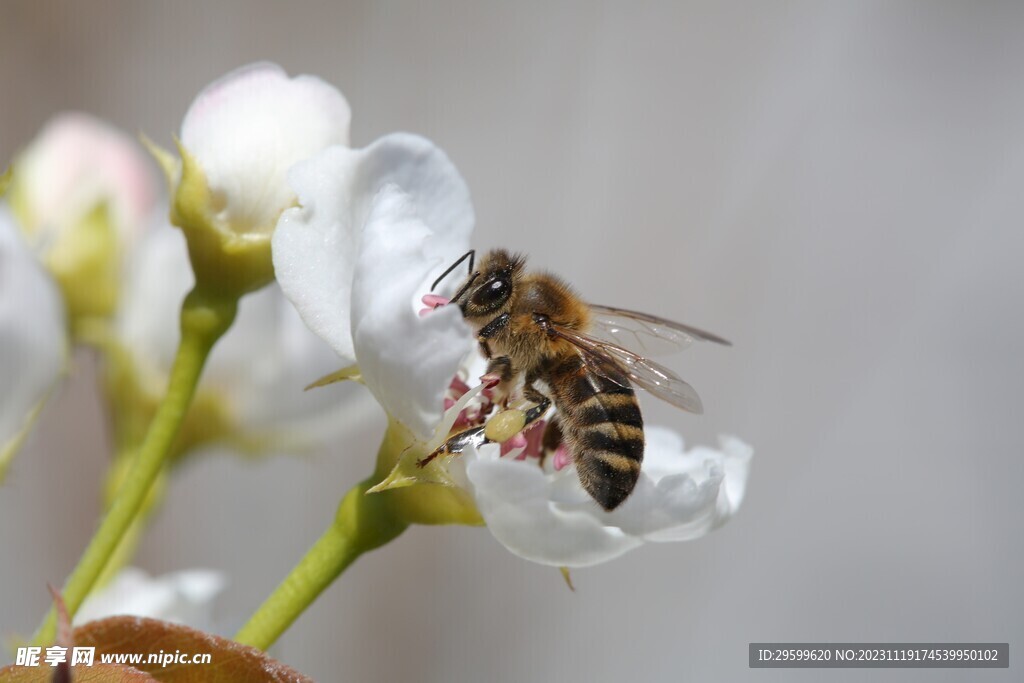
[488, 290]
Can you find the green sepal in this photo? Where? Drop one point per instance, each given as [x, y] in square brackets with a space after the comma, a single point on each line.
[350, 372]
[224, 259]
[86, 261]
[164, 159]
[428, 496]
[408, 472]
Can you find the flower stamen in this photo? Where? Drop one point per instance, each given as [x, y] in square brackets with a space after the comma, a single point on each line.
[527, 443]
[561, 459]
[432, 302]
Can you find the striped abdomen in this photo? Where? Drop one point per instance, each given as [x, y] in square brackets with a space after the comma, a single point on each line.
[601, 426]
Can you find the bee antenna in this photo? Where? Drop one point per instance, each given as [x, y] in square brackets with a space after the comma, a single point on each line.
[465, 287]
[471, 254]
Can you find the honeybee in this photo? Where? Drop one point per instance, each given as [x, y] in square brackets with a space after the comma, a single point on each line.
[532, 327]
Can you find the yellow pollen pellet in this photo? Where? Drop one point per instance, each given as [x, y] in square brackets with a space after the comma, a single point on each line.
[505, 425]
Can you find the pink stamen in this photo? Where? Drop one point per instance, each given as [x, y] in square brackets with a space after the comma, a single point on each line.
[529, 440]
[435, 301]
[561, 458]
[490, 382]
[516, 442]
[470, 416]
[534, 439]
[458, 386]
[432, 301]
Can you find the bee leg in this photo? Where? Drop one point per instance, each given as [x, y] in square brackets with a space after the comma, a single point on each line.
[531, 393]
[475, 436]
[502, 367]
[501, 376]
[509, 423]
[537, 411]
[456, 444]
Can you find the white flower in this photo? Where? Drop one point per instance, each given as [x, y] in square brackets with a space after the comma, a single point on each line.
[33, 340]
[373, 229]
[256, 372]
[246, 129]
[543, 514]
[375, 226]
[183, 597]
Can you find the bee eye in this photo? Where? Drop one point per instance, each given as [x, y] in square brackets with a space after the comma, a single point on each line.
[491, 293]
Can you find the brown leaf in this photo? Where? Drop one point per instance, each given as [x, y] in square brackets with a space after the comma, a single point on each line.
[98, 673]
[229, 661]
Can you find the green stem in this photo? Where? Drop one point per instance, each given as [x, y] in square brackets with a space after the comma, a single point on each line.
[363, 522]
[125, 551]
[204, 319]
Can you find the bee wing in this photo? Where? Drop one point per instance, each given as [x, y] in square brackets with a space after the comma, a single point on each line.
[647, 333]
[645, 373]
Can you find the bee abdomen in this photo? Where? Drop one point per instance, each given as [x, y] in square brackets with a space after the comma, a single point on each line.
[603, 429]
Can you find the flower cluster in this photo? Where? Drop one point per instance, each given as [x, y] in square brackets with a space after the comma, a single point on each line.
[332, 251]
[85, 220]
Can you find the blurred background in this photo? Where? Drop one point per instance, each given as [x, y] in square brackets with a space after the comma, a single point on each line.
[836, 187]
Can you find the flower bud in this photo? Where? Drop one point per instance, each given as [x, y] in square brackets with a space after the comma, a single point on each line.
[81, 192]
[238, 140]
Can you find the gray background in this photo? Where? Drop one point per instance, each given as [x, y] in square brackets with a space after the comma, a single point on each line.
[835, 187]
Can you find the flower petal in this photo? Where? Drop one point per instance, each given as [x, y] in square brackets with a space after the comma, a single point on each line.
[314, 247]
[249, 127]
[33, 337]
[183, 597]
[546, 517]
[684, 495]
[375, 225]
[515, 498]
[407, 361]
